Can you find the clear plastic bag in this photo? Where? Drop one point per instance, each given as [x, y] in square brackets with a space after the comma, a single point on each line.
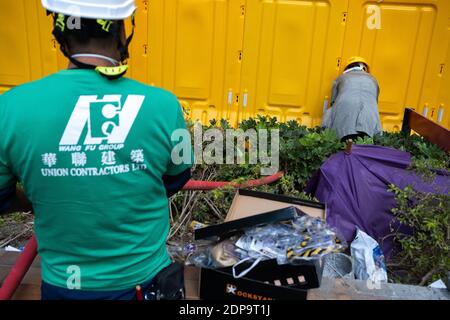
[292, 242]
[304, 238]
[268, 242]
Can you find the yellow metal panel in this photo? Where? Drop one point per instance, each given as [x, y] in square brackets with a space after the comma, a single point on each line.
[139, 48]
[15, 59]
[191, 48]
[437, 78]
[28, 50]
[400, 51]
[291, 54]
[233, 61]
[443, 101]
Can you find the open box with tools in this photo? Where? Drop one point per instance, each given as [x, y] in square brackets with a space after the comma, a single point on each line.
[267, 280]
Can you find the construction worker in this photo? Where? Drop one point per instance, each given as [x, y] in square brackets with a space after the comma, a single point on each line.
[354, 103]
[92, 150]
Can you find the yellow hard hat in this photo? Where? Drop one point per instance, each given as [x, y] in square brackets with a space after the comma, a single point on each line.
[356, 59]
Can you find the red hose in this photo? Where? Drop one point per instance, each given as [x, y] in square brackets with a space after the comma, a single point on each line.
[19, 270]
[211, 185]
[26, 258]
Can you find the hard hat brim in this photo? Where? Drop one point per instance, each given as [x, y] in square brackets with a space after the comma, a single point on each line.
[74, 8]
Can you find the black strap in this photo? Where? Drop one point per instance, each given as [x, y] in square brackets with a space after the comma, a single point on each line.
[123, 48]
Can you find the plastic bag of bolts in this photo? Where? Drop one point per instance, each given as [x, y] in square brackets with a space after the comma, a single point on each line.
[304, 238]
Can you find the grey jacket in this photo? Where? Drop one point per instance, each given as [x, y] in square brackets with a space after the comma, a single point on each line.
[354, 105]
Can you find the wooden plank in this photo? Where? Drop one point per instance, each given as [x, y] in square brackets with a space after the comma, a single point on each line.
[33, 276]
[9, 259]
[27, 292]
[428, 129]
[30, 287]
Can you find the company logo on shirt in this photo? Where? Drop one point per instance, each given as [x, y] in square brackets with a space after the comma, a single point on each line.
[103, 120]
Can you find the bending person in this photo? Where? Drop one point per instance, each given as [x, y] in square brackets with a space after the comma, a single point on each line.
[354, 103]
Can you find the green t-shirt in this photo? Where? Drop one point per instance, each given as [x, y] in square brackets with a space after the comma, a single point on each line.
[90, 153]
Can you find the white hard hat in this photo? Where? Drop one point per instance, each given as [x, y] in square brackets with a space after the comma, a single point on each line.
[92, 9]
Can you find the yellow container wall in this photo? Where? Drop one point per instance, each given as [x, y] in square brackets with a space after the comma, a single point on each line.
[442, 112]
[405, 54]
[236, 59]
[291, 54]
[192, 48]
[15, 64]
[28, 50]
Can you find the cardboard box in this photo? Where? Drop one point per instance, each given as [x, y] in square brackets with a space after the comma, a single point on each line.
[247, 203]
[268, 280]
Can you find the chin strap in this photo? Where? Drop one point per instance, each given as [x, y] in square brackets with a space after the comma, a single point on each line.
[114, 62]
[110, 73]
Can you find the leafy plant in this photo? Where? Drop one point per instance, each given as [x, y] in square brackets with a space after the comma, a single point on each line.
[424, 238]
[419, 148]
[303, 151]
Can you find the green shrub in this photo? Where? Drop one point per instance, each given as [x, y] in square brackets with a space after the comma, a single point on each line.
[425, 252]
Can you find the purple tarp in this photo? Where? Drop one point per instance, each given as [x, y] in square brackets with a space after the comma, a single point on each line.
[355, 188]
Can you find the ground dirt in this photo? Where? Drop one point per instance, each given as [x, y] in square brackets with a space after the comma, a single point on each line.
[15, 229]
